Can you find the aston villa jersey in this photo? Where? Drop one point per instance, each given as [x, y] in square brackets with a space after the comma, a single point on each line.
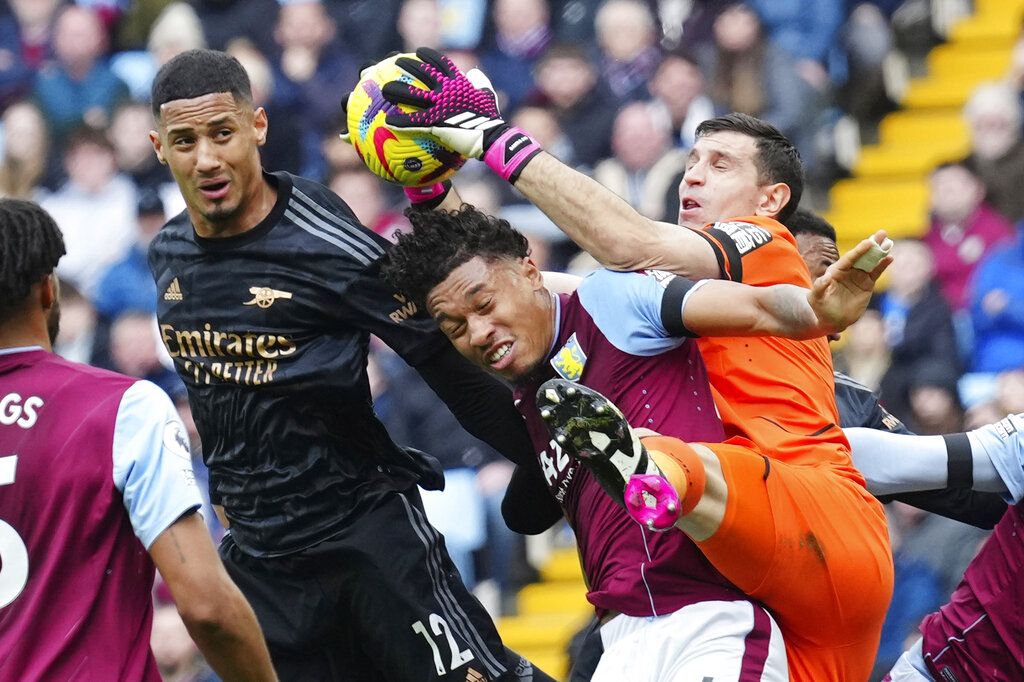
[94, 466]
[611, 338]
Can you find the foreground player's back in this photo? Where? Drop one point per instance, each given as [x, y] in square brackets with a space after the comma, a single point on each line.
[75, 581]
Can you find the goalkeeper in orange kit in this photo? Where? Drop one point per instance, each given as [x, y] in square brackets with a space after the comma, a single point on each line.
[816, 548]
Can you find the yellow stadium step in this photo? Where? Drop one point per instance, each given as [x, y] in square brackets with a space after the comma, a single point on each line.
[542, 630]
[553, 597]
[994, 22]
[924, 126]
[551, 661]
[982, 63]
[942, 92]
[908, 159]
[563, 564]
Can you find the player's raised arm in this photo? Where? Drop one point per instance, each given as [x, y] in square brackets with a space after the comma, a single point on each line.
[461, 111]
[837, 300]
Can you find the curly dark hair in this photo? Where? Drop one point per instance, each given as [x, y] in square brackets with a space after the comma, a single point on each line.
[442, 241]
[30, 246]
[777, 158]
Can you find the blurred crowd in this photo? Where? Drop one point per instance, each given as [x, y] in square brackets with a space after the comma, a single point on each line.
[615, 88]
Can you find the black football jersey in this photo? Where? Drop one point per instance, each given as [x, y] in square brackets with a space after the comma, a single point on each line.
[270, 330]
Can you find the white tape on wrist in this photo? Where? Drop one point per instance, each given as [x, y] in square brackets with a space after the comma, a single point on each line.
[870, 260]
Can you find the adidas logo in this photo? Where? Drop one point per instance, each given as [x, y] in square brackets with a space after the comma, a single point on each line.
[173, 292]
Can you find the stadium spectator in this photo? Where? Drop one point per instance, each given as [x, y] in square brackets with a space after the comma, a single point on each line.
[864, 356]
[366, 197]
[78, 87]
[98, 492]
[679, 85]
[227, 20]
[129, 134]
[282, 149]
[177, 656]
[933, 402]
[994, 117]
[962, 229]
[997, 309]
[543, 124]
[95, 209]
[568, 82]
[522, 33]
[419, 24]
[177, 28]
[627, 35]
[77, 326]
[918, 324]
[319, 499]
[311, 76]
[135, 350]
[128, 285]
[646, 166]
[806, 30]
[26, 151]
[746, 73]
[35, 29]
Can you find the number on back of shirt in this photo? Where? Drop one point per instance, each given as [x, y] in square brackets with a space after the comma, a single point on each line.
[13, 553]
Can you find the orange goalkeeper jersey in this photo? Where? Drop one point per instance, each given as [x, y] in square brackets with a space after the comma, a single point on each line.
[777, 392]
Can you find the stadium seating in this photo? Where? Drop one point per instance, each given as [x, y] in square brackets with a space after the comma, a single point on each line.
[888, 189]
[550, 613]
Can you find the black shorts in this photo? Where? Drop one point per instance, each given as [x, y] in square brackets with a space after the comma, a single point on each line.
[380, 601]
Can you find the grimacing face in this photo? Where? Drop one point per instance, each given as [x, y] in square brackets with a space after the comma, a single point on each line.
[497, 314]
[721, 181]
[211, 144]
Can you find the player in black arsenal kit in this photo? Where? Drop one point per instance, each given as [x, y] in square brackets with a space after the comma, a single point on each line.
[268, 293]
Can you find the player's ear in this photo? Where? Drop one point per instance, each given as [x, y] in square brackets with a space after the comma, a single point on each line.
[533, 273]
[49, 291]
[259, 122]
[774, 199]
[158, 146]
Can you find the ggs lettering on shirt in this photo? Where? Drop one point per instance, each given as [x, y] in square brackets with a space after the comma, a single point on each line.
[14, 410]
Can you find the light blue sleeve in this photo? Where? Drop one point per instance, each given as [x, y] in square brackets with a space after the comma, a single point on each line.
[626, 306]
[1003, 443]
[152, 463]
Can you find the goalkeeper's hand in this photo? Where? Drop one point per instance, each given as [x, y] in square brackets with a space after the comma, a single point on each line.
[459, 110]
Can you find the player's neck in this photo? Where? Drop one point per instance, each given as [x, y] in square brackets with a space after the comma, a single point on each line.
[25, 329]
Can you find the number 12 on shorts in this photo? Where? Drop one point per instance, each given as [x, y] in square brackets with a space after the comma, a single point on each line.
[438, 626]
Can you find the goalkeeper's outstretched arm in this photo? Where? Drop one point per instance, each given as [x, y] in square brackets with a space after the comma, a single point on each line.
[461, 110]
[608, 228]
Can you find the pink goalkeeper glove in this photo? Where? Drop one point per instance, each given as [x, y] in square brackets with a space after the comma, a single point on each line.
[461, 111]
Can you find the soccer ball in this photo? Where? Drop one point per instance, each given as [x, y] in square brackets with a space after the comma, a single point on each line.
[407, 159]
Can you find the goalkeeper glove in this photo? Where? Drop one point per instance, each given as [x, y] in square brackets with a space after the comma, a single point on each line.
[461, 111]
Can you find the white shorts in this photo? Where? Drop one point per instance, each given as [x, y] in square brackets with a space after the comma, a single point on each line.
[910, 667]
[719, 641]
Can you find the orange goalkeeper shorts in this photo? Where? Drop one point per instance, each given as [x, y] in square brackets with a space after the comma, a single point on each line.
[812, 545]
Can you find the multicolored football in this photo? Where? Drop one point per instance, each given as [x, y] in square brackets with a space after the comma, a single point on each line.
[404, 158]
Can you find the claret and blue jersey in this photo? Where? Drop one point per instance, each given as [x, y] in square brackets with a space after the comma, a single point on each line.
[613, 336]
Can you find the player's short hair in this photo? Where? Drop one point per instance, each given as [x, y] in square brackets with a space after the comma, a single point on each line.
[195, 73]
[442, 241]
[30, 246]
[777, 159]
[808, 222]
